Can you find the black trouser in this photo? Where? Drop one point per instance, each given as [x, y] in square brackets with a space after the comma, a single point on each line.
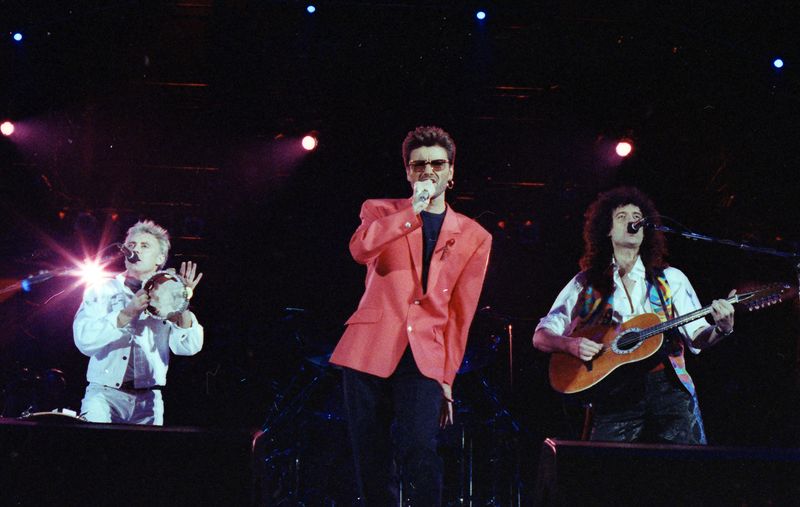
[654, 408]
[393, 426]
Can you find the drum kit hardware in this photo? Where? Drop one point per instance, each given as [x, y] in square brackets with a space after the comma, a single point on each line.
[55, 416]
[302, 457]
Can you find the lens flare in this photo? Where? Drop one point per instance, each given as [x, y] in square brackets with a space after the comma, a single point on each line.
[91, 272]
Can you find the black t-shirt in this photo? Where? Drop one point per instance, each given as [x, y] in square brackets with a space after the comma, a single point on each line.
[431, 225]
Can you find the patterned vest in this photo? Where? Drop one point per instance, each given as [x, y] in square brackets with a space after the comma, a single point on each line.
[593, 308]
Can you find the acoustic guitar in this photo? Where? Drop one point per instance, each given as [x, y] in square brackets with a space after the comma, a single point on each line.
[638, 339]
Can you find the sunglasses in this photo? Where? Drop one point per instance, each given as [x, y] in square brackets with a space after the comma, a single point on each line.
[419, 165]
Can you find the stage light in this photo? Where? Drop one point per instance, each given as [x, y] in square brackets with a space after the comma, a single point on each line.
[309, 142]
[481, 15]
[18, 37]
[91, 272]
[624, 148]
[777, 63]
[7, 128]
[311, 9]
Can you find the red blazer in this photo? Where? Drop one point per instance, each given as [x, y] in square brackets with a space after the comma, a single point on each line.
[393, 311]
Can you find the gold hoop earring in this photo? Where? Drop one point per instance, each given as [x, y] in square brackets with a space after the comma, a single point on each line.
[450, 184]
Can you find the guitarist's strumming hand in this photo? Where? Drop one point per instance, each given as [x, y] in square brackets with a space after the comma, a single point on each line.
[584, 348]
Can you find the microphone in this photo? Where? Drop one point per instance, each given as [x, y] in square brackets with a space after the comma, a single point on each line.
[424, 190]
[633, 227]
[129, 254]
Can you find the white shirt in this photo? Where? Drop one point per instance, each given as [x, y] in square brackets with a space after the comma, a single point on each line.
[108, 347]
[563, 315]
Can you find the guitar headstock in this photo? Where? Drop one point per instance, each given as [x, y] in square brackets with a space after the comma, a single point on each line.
[763, 297]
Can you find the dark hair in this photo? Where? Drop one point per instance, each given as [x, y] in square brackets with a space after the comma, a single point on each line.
[429, 136]
[598, 251]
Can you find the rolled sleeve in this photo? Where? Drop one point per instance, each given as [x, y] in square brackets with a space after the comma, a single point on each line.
[186, 341]
[559, 318]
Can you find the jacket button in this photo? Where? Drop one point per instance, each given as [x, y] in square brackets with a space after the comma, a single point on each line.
[117, 384]
[124, 358]
[416, 301]
[409, 329]
[407, 225]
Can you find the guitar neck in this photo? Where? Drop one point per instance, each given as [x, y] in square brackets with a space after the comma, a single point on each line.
[680, 321]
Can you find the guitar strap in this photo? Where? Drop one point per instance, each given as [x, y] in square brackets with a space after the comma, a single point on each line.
[661, 299]
[675, 353]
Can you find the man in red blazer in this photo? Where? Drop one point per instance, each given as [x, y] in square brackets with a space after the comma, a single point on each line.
[404, 344]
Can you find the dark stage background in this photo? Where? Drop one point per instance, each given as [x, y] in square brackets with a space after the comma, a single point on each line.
[190, 113]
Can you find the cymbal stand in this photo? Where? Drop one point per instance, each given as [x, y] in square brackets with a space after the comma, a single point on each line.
[267, 451]
[501, 412]
[466, 489]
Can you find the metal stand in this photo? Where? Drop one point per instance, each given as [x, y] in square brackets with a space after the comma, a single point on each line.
[280, 464]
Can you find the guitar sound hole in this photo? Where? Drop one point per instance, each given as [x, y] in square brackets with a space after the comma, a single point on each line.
[627, 342]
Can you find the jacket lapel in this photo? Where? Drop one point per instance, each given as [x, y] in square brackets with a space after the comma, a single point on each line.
[414, 239]
[448, 238]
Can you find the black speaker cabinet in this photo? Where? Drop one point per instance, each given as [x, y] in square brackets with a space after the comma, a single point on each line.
[60, 462]
[597, 473]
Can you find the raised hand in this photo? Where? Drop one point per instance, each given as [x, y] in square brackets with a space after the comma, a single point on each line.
[189, 275]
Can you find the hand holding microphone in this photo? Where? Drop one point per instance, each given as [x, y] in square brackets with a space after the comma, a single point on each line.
[423, 191]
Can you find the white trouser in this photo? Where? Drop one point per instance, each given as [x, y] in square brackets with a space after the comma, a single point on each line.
[105, 404]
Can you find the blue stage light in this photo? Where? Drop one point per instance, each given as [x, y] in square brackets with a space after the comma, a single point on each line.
[25, 284]
[311, 9]
[777, 63]
[17, 36]
[480, 15]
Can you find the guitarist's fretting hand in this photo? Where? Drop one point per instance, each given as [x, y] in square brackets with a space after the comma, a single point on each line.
[722, 313]
[584, 348]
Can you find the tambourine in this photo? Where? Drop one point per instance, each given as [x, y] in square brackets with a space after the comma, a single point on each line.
[169, 296]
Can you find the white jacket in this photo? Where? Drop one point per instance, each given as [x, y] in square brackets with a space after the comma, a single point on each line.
[109, 347]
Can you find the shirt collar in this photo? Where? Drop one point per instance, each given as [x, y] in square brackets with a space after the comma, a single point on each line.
[638, 271]
[121, 277]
